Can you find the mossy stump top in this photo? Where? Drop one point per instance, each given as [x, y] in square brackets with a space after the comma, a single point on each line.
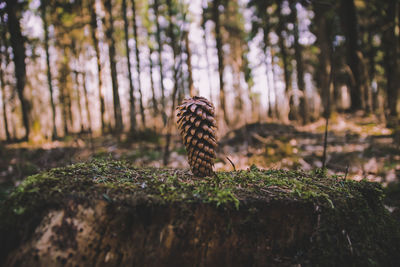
[109, 213]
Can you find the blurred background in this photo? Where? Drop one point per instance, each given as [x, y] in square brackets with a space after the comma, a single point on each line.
[82, 79]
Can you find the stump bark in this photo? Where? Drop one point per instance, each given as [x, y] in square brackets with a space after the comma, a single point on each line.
[107, 213]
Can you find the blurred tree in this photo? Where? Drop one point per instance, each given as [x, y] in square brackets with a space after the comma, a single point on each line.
[149, 24]
[390, 47]
[156, 7]
[3, 67]
[132, 112]
[109, 25]
[205, 18]
[299, 63]
[284, 54]
[192, 91]
[43, 9]
[137, 52]
[216, 6]
[358, 83]
[95, 40]
[14, 9]
[322, 23]
[171, 11]
[261, 22]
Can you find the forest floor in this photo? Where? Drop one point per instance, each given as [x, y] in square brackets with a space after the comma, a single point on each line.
[358, 147]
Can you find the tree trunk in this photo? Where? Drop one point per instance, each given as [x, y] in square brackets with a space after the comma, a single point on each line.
[49, 76]
[192, 90]
[78, 99]
[113, 65]
[173, 44]
[323, 31]
[85, 93]
[135, 36]
[132, 112]
[160, 63]
[348, 17]
[220, 53]
[64, 96]
[266, 29]
[389, 44]
[3, 46]
[153, 93]
[284, 55]
[299, 65]
[93, 29]
[209, 70]
[18, 47]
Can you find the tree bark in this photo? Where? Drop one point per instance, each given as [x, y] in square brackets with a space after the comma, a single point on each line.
[93, 31]
[85, 94]
[49, 76]
[220, 53]
[135, 36]
[389, 44]
[3, 46]
[132, 112]
[113, 65]
[209, 71]
[18, 47]
[173, 44]
[323, 31]
[160, 63]
[192, 90]
[348, 17]
[153, 93]
[298, 50]
[284, 55]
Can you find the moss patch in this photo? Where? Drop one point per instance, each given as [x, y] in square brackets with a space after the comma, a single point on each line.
[351, 225]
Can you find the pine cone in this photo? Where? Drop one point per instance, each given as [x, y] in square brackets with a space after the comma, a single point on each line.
[196, 123]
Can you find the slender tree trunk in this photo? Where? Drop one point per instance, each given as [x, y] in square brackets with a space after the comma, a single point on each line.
[220, 54]
[209, 71]
[113, 65]
[160, 63]
[18, 46]
[49, 76]
[175, 77]
[389, 44]
[285, 57]
[298, 50]
[192, 90]
[132, 111]
[63, 83]
[371, 74]
[269, 89]
[3, 46]
[153, 93]
[93, 29]
[78, 99]
[135, 36]
[274, 82]
[85, 93]
[3, 97]
[323, 40]
[349, 25]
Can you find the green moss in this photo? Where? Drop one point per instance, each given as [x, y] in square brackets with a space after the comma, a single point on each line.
[350, 212]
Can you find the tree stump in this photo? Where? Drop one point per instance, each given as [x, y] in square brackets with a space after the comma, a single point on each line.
[108, 213]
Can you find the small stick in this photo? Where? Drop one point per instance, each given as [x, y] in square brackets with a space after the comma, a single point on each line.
[347, 171]
[233, 165]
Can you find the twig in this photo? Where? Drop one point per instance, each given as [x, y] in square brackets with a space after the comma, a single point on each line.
[346, 172]
[325, 143]
[233, 165]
